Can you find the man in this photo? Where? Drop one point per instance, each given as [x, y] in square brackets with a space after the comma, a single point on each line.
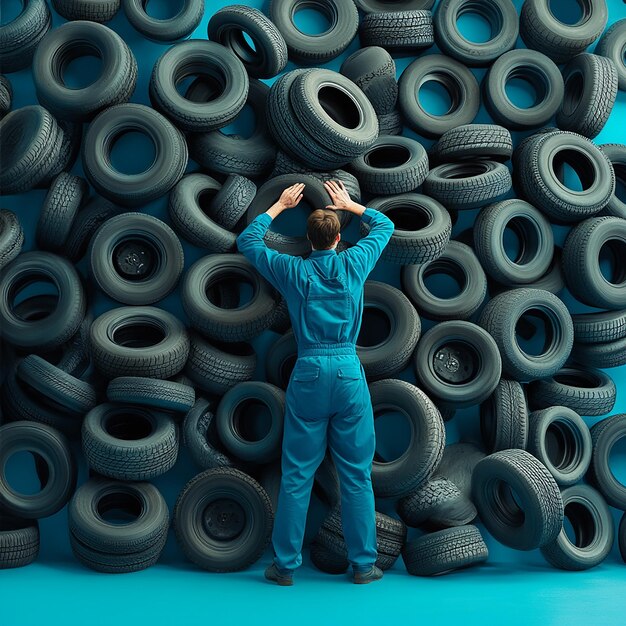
[327, 399]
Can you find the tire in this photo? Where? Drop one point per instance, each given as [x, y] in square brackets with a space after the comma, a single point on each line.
[206, 58]
[136, 259]
[622, 538]
[504, 418]
[444, 551]
[455, 78]
[605, 434]
[232, 201]
[55, 329]
[230, 154]
[600, 355]
[280, 360]
[584, 390]
[138, 341]
[535, 242]
[373, 70]
[399, 477]
[70, 140]
[93, 11]
[216, 367]
[226, 324]
[167, 169]
[458, 463]
[458, 262]
[581, 262]
[382, 6]
[392, 165]
[472, 364]
[542, 31]
[114, 84]
[616, 153]
[75, 358]
[502, 18]
[269, 56]
[534, 67]
[6, 95]
[400, 31]
[384, 357]
[611, 45]
[189, 210]
[435, 505]
[327, 560]
[473, 141]
[594, 531]
[233, 427]
[390, 123]
[179, 26]
[11, 237]
[19, 542]
[468, 185]
[602, 327]
[162, 395]
[533, 518]
[422, 228]
[590, 93]
[53, 449]
[343, 21]
[500, 319]
[218, 547]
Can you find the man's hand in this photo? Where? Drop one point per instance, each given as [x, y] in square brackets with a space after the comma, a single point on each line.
[288, 199]
[341, 200]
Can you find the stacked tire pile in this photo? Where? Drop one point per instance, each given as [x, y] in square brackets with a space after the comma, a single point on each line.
[134, 383]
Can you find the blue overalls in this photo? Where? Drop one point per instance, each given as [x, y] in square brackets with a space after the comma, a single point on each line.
[327, 400]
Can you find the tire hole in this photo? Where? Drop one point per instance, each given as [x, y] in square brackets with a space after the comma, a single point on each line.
[82, 71]
[474, 26]
[20, 472]
[43, 296]
[119, 509]
[562, 445]
[522, 93]
[393, 434]
[573, 169]
[435, 98]
[570, 12]
[444, 279]
[128, 426]
[163, 9]
[617, 460]
[579, 525]
[138, 334]
[573, 92]
[535, 332]
[507, 504]
[339, 106]
[132, 152]
[311, 20]
[252, 420]
[409, 219]
[375, 327]
[244, 288]
[611, 261]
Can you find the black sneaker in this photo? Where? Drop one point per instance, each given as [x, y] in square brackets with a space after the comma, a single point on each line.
[369, 576]
[281, 577]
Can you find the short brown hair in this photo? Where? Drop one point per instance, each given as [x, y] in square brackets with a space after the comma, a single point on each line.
[322, 227]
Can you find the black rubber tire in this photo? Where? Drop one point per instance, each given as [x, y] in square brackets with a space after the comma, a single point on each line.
[581, 262]
[217, 367]
[189, 210]
[444, 551]
[280, 360]
[458, 463]
[540, 72]
[583, 389]
[602, 327]
[373, 70]
[6, 95]
[201, 439]
[479, 370]
[162, 395]
[604, 435]
[473, 141]
[616, 153]
[230, 420]
[39, 335]
[53, 450]
[502, 18]
[590, 93]
[327, 560]
[423, 228]
[455, 78]
[226, 324]
[533, 518]
[269, 56]
[593, 527]
[115, 83]
[231, 154]
[398, 31]
[138, 341]
[500, 318]
[19, 542]
[504, 418]
[391, 165]
[382, 6]
[390, 123]
[541, 30]
[205, 58]
[253, 511]
[30, 146]
[70, 140]
[459, 262]
[177, 27]
[91, 10]
[600, 355]
[231, 202]
[343, 21]
[11, 237]
[435, 505]
[534, 234]
[389, 355]
[399, 477]
[611, 45]
[170, 158]
[468, 185]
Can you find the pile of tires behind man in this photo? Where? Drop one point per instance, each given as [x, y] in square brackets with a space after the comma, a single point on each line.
[136, 382]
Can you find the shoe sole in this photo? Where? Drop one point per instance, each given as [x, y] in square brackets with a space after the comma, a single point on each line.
[365, 582]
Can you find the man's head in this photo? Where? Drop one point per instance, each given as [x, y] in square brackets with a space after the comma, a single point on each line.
[322, 229]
